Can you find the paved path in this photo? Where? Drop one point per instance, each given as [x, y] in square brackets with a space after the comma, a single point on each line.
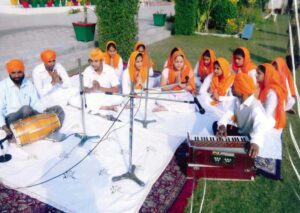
[24, 36]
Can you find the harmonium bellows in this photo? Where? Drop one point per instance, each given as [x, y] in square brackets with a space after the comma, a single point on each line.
[219, 158]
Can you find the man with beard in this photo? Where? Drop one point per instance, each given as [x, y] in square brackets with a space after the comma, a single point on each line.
[19, 99]
[52, 81]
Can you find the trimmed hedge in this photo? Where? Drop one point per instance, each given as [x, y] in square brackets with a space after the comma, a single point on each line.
[185, 16]
[117, 21]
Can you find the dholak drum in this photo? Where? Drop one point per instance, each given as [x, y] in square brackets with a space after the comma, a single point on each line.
[34, 128]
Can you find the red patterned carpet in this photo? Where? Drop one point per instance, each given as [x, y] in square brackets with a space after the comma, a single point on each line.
[164, 196]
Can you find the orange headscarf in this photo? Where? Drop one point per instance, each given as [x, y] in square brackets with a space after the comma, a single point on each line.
[202, 69]
[272, 80]
[132, 69]
[223, 82]
[244, 84]
[285, 74]
[247, 65]
[96, 54]
[145, 55]
[184, 73]
[169, 61]
[15, 65]
[116, 57]
[48, 55]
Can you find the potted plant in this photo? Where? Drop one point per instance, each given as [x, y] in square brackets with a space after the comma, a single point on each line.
[25, 3]
[56, 3]
[69, 3]
[49, 3]
[159, 18]
[34, 3]
[84, 31]
[42, 3]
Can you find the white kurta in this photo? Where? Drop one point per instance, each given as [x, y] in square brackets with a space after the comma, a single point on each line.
[57, 94]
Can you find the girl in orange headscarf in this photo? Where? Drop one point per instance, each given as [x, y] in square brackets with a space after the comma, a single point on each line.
[135, 72]
[141, 48]
[286, 80]
[112, 58]
[272, 93]
[218, 84]
[205, 65]
[179, 76]
[241, 62]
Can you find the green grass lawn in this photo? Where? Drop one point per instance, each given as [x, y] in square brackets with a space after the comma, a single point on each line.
[262, 195]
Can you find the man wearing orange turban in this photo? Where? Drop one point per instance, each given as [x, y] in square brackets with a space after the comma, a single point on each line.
[248, 113]
[19, 98]
[99, 78]
[52, 80]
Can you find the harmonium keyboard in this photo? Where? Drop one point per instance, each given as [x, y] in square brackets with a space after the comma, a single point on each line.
[220, 158]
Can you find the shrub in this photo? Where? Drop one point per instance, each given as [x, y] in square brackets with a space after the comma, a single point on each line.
[221, 11]
[251, 14]
[117, 20]
[234, 26]
[185, 16]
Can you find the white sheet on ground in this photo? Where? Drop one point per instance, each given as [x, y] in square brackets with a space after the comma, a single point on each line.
[88, 186]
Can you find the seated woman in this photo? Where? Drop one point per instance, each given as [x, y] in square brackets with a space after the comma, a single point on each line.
[135, 70]
[205, 65]
[288, 81]
[272, 94]
[112, 58]
[241, 62]
[217, 85]
[179, 76]
[141, 48]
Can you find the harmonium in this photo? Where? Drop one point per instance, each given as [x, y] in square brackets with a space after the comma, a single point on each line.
[213, 157]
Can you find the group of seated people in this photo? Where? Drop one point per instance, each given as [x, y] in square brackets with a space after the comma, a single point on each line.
[266, 90]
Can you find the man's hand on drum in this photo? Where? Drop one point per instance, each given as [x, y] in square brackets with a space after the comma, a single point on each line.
[7, 131]
[222, 131]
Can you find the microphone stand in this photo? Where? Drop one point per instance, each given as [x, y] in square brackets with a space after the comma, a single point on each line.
[4, 157]
[145, 122]
[131, 168]
[83, 137]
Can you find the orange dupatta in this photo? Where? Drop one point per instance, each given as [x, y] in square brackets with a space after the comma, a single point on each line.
[285, 74]
[116, 57]
[132, 70]
[145, 55]
[247, 65]
[272, 80]
[223, 82]
[204, 70]
[184, 73]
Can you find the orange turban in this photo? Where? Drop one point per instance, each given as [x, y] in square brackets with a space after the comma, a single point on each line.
[96, 54]
[244, 84]
[48, 55]
[15, 65]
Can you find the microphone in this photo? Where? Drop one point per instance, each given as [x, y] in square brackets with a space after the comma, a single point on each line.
[201, 109]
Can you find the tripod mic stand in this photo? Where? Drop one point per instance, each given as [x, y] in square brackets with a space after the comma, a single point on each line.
[83, 137]
[131, 168]
[145, 122]
[4, 157]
